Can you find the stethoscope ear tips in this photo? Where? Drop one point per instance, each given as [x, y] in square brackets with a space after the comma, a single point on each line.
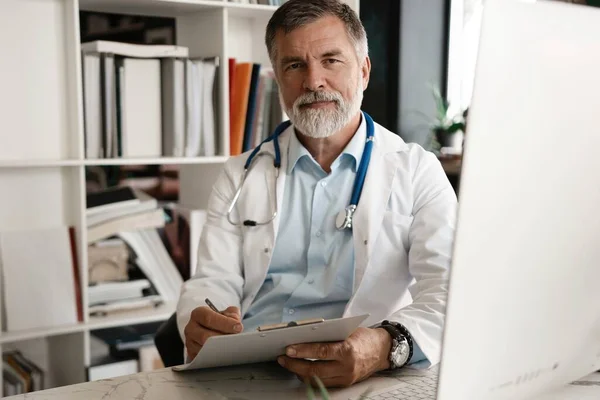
[249, 223]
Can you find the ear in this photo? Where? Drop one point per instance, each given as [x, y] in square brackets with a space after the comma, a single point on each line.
[366, 71]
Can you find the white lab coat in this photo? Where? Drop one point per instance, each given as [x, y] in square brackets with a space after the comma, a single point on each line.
[402, 231]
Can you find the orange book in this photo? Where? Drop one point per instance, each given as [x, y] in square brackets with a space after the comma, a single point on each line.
[239, 107]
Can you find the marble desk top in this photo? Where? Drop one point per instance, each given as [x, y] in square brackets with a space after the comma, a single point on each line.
[258, 381]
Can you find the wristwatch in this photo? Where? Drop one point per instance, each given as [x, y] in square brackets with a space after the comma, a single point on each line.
[402, 344]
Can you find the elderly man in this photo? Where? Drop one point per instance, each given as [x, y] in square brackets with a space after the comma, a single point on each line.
[389, 258]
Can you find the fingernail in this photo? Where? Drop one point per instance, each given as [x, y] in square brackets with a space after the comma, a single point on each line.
[291, 351]
[237, 327]
[281, 361]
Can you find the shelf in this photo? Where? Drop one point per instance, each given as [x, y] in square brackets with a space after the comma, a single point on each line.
[160, 313]
[18, 336]
[38, 163]
[111, 161]
[156, 161]
[174, 8]
[250, 10]
[162, 8]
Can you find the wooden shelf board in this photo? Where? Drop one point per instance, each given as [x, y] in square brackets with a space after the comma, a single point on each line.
[18, 336]
[250, 10]
[159, 313]
[162, 8]
[174, 8]
[111, 161]
[156, 161]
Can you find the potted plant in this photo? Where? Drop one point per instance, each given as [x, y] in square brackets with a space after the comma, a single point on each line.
[448, 126]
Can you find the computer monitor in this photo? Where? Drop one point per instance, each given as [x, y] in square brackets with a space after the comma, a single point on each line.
[523, 311]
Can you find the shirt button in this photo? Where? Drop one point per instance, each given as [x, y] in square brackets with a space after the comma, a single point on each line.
[291, 311]
[323, 183]
[319, 233]
[311, 281]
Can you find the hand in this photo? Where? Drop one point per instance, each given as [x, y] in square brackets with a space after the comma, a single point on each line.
[342, 363]
[205, 323]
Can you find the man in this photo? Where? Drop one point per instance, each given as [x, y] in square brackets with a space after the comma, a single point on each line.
[393, 262]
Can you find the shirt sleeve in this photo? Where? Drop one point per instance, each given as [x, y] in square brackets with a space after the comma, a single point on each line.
[418, 356]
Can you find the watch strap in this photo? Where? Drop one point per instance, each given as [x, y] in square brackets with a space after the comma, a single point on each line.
[399, 332]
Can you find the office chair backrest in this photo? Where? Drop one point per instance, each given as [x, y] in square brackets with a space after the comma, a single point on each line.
[168, 342]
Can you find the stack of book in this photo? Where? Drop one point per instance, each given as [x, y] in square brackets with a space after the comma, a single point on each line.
[148, 101]
[20, 375]
[123, 350]
[129, 266]
[254, 105]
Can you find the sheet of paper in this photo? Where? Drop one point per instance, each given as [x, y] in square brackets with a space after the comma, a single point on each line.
[254, 347]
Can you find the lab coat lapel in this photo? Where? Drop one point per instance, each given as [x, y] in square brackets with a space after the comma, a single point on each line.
[284, 142]
[279, 186]
[266, 235]
[371, 207]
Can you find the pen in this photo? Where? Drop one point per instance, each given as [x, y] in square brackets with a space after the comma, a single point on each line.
[212, 306]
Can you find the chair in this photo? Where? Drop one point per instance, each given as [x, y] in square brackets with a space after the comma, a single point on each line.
[168, 342]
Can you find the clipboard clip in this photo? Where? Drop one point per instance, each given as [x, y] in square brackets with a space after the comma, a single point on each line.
[282, 325]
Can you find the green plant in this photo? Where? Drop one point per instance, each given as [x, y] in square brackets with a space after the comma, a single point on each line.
[445, 120]
[310, 393]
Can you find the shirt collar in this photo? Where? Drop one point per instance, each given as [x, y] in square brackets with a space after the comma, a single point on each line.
[353, 149]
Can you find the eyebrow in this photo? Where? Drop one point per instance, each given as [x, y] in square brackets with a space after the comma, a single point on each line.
[327, 54]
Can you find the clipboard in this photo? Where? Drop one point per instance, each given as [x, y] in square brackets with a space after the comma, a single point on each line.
[269, 342]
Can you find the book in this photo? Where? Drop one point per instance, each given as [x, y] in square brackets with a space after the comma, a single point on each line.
[113, 208]
[39, 282]
[108, 199]
[141, 220]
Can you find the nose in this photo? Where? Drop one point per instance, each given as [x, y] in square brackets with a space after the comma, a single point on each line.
[315, 78]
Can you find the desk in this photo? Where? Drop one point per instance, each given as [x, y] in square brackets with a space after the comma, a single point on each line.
[262, 381]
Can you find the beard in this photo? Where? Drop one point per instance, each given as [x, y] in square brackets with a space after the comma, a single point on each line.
[320, 123]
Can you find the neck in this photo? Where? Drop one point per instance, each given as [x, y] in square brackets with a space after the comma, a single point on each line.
[326, 150]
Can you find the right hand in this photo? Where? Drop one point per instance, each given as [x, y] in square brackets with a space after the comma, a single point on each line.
[205, 323]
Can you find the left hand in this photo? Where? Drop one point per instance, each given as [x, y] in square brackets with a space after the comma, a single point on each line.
[342, 363]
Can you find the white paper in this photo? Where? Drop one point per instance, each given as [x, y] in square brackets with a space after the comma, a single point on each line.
[254, 347]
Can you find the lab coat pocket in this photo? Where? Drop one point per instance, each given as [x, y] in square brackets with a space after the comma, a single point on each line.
[396, 228]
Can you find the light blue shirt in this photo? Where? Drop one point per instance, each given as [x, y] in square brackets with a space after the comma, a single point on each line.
[311, 274]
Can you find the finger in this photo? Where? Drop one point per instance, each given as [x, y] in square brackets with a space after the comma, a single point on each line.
[318, 351]
[200, 334]
[309, 369]
[233, 312]
[216, 321]
[193, 348]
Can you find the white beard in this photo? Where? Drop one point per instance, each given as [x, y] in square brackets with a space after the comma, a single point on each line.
[321, 122]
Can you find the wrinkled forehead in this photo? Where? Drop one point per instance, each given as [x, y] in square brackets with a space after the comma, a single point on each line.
[325, 35]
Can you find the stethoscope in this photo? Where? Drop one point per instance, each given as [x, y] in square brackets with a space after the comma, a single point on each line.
[345, 216]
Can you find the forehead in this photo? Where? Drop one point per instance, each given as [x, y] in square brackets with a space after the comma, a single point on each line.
[328, 31]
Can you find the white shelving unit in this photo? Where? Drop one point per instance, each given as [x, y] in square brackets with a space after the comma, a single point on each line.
[42, 162]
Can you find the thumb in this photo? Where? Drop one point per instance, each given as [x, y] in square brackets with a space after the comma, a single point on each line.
[233, 312]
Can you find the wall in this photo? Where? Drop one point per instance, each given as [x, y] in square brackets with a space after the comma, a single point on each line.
[423, 58]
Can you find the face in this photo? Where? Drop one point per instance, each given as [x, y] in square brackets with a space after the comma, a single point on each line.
[320, 79]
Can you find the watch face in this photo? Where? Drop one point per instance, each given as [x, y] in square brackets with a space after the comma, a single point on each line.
[400, 353]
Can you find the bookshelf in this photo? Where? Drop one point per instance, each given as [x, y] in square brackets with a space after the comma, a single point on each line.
[42, 156]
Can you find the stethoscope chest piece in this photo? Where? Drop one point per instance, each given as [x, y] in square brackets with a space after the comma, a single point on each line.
[344, 218]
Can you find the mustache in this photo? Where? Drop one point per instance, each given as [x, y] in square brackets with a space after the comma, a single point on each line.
[313, 97]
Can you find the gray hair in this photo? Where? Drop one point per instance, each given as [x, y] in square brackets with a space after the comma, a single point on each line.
[294, 14]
